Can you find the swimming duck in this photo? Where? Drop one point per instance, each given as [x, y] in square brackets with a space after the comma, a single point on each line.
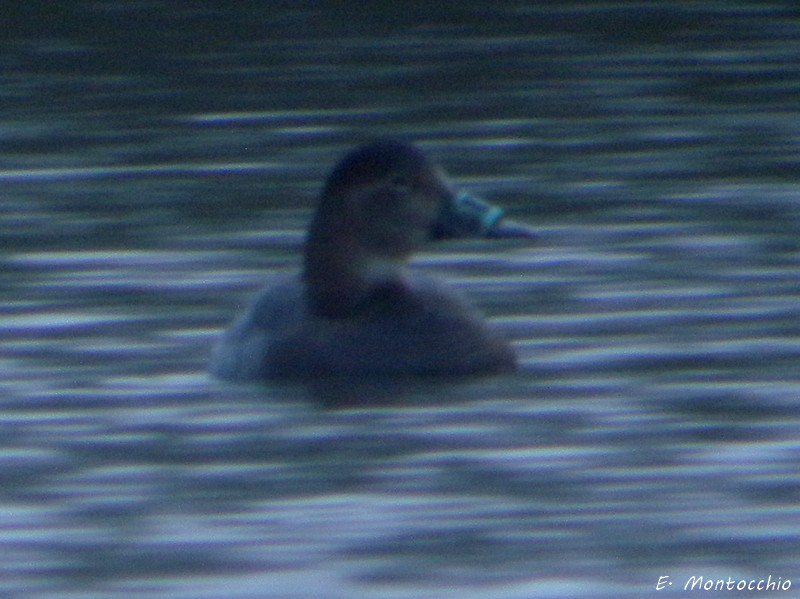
[356, 310]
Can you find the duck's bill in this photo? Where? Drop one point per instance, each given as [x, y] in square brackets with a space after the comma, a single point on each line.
[466, 215]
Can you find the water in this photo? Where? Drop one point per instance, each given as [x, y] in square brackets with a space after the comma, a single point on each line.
[159, 163]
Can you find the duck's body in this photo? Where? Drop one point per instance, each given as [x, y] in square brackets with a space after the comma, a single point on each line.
[355, 310]
[423, 329]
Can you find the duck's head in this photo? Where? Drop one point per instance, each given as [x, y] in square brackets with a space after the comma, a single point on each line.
[387, 194]
[380, 204]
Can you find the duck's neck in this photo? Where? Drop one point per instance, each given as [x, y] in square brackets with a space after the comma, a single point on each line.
[340, 276]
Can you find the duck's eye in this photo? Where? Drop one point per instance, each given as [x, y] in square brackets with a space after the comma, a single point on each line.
[401, 183]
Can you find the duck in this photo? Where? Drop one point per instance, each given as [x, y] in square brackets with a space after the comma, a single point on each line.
[356, 309]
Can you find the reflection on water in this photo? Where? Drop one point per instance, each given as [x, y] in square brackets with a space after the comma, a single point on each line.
[154, 174]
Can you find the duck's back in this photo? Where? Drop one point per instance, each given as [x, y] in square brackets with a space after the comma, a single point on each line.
[425, 329]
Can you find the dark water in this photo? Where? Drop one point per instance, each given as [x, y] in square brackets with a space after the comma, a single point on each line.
[159, 160]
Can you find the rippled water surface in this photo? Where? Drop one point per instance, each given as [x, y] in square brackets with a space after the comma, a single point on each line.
[159, 161]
